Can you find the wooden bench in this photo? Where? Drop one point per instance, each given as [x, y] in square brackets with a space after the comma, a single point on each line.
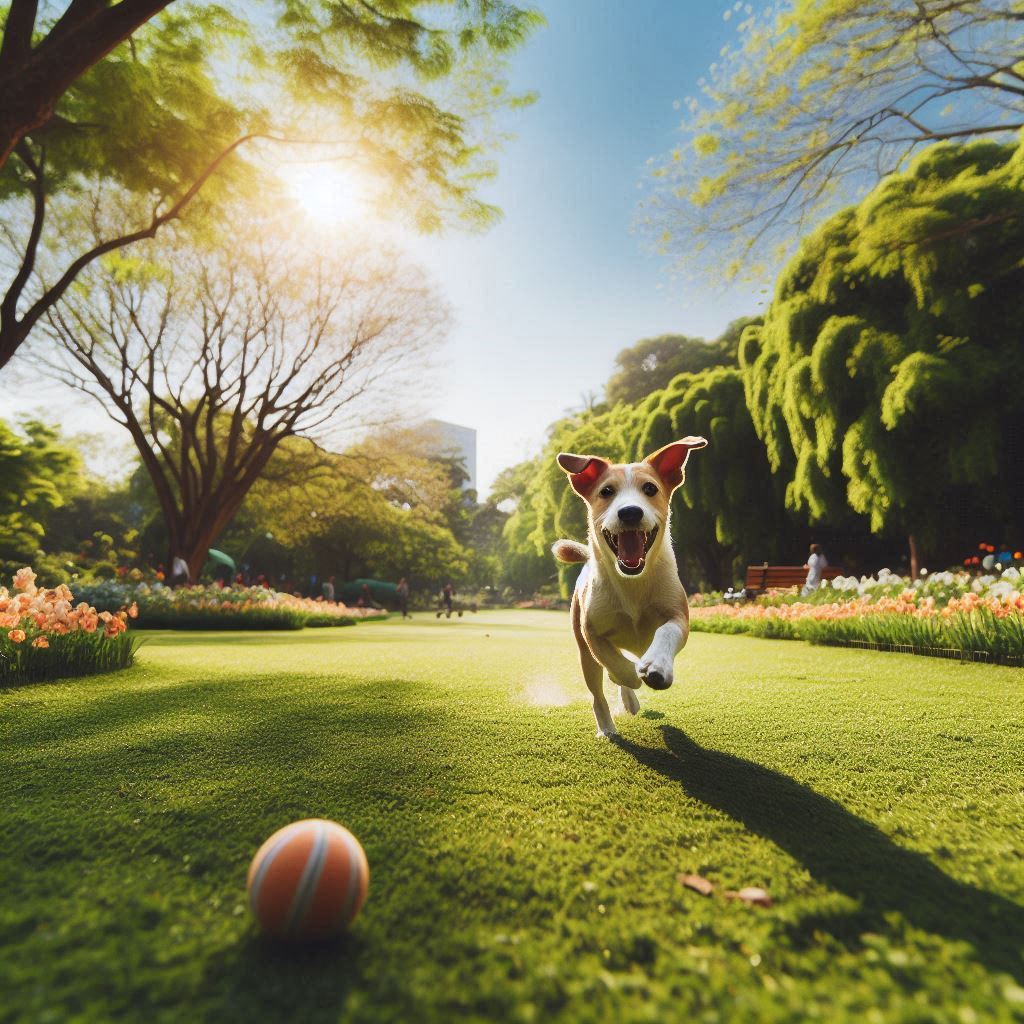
[776, 577]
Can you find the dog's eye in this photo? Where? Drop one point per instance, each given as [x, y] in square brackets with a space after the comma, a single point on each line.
[650, 490]
[607, 491]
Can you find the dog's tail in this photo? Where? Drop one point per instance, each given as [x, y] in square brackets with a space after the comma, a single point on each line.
[570, 551]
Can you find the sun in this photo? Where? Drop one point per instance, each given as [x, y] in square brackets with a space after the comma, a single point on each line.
[327, 192]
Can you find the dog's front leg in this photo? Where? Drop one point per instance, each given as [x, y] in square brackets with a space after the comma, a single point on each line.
[655, 667]
[620, 669]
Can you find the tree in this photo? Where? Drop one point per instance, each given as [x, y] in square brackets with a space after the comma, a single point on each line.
[135, 95]
[731, 511]
[39, 472]
[884, 378]
[651, 364]
[212, 359]
[375, 509]
[822, 98]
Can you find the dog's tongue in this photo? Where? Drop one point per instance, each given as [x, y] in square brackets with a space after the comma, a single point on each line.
[631, 547]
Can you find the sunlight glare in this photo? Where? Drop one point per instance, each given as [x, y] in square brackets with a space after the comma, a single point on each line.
[327, 192]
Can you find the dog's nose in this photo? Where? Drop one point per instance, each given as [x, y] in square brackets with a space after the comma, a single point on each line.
[631, 514]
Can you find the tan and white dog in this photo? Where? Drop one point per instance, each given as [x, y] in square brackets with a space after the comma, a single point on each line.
[628, 596]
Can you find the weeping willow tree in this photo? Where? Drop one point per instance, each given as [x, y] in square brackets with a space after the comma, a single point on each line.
[884, 380]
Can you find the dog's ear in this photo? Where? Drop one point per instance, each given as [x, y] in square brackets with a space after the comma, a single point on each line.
[669, 462]
[583, 471]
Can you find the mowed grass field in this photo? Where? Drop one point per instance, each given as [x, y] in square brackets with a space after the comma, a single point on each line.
[522, 870]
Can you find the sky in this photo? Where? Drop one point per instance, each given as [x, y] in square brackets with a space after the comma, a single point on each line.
[543, 301]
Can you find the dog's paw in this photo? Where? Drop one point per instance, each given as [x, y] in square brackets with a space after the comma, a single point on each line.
[656, 673]
[630, 701]
[608, 733]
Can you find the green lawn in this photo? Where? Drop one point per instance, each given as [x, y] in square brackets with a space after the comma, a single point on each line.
[522, 870]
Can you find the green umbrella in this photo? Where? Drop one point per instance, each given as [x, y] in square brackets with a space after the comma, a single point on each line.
[219, 556]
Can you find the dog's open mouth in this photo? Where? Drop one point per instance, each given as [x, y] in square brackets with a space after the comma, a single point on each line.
[630, 548]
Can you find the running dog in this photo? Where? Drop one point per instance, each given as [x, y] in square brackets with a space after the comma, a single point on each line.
[628, 596]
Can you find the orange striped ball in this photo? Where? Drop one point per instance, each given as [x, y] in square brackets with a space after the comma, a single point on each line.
[308, 880]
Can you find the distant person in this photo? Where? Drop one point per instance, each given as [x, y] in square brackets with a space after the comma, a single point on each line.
[366, 598]
[179, 572]
[328, 588]
[447, 597]
[403, 597]
[1004, 556]
[816, 565]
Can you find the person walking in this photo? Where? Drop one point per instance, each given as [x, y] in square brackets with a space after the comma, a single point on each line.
[403, 598]
[180, 576]
[447, 597]
[816, 565]
[328, 588]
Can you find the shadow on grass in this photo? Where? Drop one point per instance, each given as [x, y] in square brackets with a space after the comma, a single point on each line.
[261, 979]
[844, 852]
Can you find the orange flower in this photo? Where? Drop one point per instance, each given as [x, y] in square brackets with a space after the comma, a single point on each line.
[41, 642]
[24, 578]
[16, 636]
[133, 611]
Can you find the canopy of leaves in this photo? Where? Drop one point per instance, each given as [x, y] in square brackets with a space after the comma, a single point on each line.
[39, 472]
[818, 99]
[885, 376]
[175, 117]
[378, 509]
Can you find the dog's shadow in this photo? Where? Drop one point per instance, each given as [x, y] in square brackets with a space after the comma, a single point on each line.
[844, 852]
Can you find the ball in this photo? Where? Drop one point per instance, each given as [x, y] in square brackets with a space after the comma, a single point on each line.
[308, 880]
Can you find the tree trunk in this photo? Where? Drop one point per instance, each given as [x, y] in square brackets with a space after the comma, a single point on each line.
[915, 558]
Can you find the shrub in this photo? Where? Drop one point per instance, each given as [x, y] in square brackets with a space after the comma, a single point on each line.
[213, 607]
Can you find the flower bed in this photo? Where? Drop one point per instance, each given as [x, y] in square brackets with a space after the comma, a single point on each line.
[44, 634]
[939, 614]
[213, 607]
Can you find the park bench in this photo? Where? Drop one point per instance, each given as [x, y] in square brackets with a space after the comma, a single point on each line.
[780, 577]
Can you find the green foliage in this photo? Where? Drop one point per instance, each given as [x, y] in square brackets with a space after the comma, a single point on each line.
[74, 654]
[403, 89]
[729, 509]
[378, 510]
[652, 363]
[812, 102]
[39, 472]
[884, 377]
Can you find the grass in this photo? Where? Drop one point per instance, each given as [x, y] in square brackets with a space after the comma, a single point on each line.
[521, 869]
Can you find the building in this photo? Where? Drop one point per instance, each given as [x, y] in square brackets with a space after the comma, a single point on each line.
[455, 441]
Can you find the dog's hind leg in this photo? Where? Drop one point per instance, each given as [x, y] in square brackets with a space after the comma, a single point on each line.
[593, 675]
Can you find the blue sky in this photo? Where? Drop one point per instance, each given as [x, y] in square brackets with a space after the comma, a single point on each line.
[545, 300]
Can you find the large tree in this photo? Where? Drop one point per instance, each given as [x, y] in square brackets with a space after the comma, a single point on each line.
[374, 509]
[884, 378]
[820, 98]
[166, 99]
[212, 359]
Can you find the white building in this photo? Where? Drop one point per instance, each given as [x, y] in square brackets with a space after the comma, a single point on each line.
[455, 441]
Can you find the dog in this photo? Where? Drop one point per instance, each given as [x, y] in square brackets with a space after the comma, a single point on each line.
[628, 596]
